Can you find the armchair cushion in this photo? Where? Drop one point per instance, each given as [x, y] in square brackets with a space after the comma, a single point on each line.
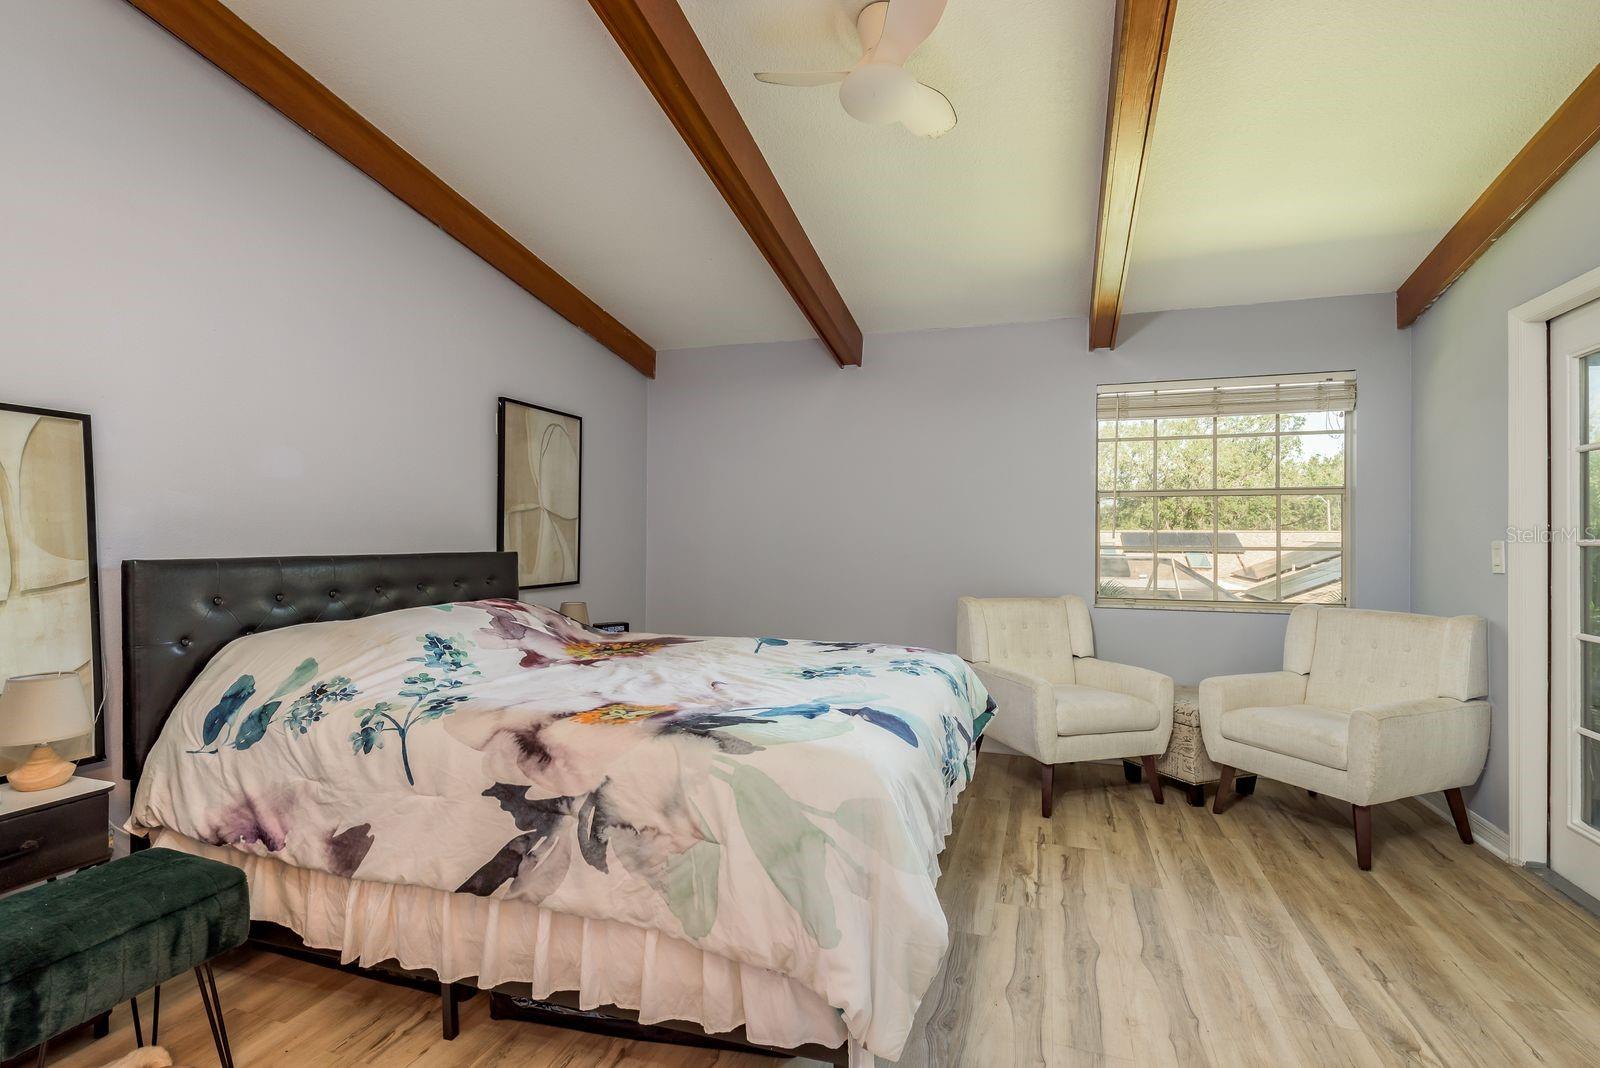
[1307, 732]
[1087, 710]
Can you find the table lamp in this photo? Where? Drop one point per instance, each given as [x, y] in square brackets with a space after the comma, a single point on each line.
[37, 710]
[578, 610]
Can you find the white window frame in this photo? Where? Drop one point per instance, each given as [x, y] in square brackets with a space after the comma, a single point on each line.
[1347, 493]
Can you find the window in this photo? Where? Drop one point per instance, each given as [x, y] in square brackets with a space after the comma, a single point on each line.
[1226, 494]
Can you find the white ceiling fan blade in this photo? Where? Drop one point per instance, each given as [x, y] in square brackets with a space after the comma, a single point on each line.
[906, 25]
[931, 114]
[810, 77]
[869, 25]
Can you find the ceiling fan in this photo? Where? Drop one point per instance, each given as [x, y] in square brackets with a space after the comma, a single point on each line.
[879, 90]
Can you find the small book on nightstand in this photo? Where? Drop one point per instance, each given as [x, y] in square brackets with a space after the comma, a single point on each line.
[46, 833]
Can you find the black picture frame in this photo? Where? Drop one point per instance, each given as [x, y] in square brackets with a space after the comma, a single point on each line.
[98, 698]
[500, 490]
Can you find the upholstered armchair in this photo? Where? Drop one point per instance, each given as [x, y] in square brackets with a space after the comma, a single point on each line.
[1054, 701]
[1369, 707]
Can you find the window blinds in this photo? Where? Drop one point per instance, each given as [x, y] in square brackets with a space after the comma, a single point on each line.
[1335, 393]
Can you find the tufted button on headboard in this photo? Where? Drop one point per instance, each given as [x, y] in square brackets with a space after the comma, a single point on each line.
[176, 614]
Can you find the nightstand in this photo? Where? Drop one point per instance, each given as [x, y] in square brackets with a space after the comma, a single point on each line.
[45, 833]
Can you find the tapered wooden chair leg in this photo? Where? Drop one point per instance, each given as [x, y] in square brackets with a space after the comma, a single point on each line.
[1224, 789]
[1155, 779]
[1362, 816]
[1458, 812]
[1047, 788]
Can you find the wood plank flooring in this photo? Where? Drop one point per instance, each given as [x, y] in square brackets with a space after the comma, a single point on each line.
[1117, 932]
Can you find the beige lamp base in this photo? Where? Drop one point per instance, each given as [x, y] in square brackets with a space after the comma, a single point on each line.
[42, 770]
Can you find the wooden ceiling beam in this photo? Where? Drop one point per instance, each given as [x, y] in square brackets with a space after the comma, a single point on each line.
[233, 47]
[1560, 142]
[658, 40]
[1138, 61]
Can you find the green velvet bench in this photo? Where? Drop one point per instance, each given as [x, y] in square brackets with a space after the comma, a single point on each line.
[72, 949]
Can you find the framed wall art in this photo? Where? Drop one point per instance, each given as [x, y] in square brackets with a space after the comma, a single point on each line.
[49, 581]
[540, 491]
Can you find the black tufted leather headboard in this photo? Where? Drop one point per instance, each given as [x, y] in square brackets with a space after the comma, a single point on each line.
[176, 614]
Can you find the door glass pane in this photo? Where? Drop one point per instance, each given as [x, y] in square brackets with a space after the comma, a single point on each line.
[1135, 428]
[1247, 548]
[1311, 460]
[1590, 652]
[1587, 804]
[1589, 421]
[1108, 429]
[1246, 463]
[1590, 611]
[1589, 515]
[1135, 465]
[1183, 464]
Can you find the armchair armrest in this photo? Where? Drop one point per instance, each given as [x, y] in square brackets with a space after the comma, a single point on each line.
[1223, 693]
[1025, 709]
[1406, 748]
[1137, 682]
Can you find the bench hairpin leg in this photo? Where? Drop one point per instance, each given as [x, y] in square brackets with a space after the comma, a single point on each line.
[155, 1017]
[206, 980]
[138, 1030]
[44, 1044]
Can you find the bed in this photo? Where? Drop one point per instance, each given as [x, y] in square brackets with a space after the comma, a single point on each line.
[729, 837]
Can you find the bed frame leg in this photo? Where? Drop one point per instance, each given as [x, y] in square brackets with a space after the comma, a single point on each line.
[449, 1010]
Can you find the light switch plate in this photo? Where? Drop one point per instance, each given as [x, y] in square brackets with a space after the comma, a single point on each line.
[1497, 557]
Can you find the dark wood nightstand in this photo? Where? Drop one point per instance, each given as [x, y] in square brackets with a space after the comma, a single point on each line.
[45, 833]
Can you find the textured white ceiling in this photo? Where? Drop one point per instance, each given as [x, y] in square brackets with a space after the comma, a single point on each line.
[1302, 148]
[1308, 148]
[529, 110]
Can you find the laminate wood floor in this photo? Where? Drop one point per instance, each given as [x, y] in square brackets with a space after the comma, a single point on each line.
[1117, 932]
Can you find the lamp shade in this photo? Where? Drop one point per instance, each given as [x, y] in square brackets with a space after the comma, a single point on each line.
[578, 610]
[38, 709]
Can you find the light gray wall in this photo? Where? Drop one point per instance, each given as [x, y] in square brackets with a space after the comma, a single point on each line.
[787, 496]
[1459, 431]
[278, 356]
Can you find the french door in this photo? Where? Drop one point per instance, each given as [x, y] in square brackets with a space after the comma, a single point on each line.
[1575, 597]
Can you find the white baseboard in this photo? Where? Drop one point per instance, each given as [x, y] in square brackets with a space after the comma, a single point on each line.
[1494, 839]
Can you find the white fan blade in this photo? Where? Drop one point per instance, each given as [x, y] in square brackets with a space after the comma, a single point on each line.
[809, 77]
[905, 27]
[869, 26]
[932, 115]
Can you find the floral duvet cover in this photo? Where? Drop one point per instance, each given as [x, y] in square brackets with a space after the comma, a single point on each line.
[778, 802]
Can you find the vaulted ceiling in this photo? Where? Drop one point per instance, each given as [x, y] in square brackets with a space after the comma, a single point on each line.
[1301, 148]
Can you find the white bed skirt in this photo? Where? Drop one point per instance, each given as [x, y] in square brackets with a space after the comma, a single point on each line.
[460, 936]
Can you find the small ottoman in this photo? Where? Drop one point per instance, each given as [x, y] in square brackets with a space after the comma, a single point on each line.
[1185, 761]
[72, 949]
